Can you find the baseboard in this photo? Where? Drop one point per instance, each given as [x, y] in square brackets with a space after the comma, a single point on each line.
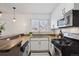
[41, 51]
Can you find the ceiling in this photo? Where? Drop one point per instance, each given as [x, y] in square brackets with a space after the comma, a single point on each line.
[28, 8]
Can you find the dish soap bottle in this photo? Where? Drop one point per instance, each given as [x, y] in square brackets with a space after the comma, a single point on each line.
[60, 34]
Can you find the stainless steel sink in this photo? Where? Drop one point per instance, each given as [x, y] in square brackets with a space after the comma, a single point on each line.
[39, 35]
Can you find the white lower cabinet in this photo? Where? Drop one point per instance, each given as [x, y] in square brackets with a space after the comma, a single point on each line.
[39, 44]
[34, 45]
[52, 50]
[44, 45]
[26, 51]
[28, 47]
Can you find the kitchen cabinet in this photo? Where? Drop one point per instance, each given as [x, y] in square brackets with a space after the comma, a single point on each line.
[39, 44]
[59, 12]
[25, 49]
[29, 47]
[70, 19]
[64, 8]
[35, 45]
[44, 45]
[51, 49]
[68, 6]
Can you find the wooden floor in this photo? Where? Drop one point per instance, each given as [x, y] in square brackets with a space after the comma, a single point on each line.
[39, 53]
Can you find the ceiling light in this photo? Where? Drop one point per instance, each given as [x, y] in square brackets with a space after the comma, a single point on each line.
[14, 18]
[0, 13]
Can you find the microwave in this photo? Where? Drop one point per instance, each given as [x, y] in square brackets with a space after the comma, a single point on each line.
[71, 18]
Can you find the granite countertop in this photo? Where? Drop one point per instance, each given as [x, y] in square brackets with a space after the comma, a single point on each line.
[8, 44]
[54, 37]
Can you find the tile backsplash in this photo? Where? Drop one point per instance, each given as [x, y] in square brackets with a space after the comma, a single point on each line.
[72, 32]
[69, 30]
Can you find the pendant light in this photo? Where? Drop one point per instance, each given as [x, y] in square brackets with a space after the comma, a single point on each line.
[0, 13]
[63, 12]
[14, 18]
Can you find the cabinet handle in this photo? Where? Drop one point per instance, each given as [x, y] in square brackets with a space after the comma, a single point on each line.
[50, 45]
[39, 42]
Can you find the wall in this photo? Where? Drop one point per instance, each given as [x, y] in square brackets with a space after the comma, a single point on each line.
[22, 24]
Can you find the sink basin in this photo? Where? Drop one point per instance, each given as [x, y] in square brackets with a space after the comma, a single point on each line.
[39, 35]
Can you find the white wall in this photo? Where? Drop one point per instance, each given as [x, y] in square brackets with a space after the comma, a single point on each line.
[54, 17]
[22, 24]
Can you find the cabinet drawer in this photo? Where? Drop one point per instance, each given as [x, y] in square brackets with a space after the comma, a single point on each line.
[34, 45]
[44, 38]
[44, 45]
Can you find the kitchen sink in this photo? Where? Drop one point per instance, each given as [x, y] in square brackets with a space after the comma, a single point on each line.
[39, 35]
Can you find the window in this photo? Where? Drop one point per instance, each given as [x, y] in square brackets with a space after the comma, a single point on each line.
[35, 25]
[40, 25]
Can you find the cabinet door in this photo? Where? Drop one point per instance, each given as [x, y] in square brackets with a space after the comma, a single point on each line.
[29, 47]
[51, 49]
[44, 45]
[34, 45]
[26, 51]
[69, 6]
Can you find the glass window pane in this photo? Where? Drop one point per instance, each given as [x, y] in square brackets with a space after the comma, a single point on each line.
[44, 25]
[40, 25]
[35, 25]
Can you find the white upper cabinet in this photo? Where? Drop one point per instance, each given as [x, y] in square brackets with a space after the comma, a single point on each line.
[69, 6]
[58, 13]
[63, 8]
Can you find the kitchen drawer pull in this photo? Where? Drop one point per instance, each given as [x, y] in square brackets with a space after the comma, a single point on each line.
[39, 42]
